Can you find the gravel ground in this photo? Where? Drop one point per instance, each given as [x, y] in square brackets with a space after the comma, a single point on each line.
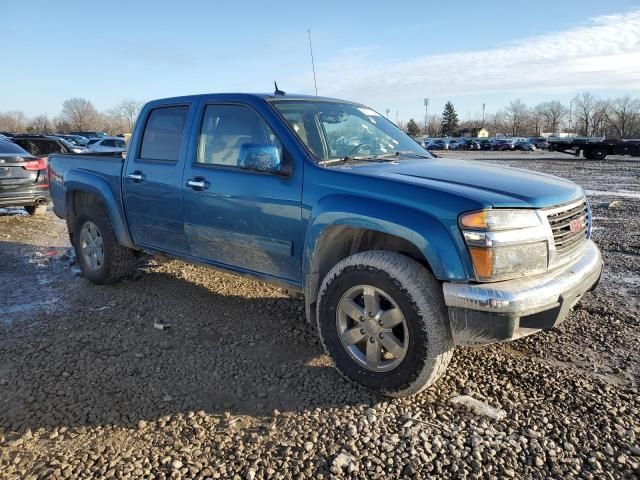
[237, 386]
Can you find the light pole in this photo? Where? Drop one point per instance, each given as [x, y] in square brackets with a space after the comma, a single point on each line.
[387, 110]
[483, 115]
[426, 113]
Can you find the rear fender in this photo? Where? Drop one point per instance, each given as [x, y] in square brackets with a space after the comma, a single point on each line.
[83, 181]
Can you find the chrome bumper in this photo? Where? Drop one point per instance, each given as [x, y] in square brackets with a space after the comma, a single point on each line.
[473, 307]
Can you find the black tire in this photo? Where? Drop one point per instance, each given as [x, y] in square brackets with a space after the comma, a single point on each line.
[418, 295]
[598, 153]
[119, 262]
[36, 209]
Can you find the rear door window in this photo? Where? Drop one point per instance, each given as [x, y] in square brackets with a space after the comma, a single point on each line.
[164, 133]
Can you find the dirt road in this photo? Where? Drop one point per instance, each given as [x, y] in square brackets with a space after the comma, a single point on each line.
[237, 386]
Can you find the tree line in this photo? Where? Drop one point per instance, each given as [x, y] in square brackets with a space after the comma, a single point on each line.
[77, 114]
[586, 115]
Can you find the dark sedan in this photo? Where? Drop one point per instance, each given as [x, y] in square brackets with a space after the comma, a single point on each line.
[23, 179]
[503, 144]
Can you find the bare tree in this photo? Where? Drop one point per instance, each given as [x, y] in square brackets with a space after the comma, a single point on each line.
[14, 121]
[497, 123]
[585, 105]
[80, 114]
[433, 125]
[516, 115]
[127, 111]
[39, 124]
[553, 114]
[623, 115]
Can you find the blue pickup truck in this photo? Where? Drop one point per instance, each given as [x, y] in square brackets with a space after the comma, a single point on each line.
[400, 255]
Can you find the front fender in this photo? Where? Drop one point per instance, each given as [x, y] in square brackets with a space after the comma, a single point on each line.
[83, 181]
[439, 243]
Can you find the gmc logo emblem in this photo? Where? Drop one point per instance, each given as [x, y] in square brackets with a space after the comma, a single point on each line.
[575, 225]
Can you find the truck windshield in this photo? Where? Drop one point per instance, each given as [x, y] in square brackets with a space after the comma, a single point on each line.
[335, 130]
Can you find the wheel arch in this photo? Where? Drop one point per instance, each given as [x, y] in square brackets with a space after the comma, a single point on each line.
[335, 235]
[93, 190]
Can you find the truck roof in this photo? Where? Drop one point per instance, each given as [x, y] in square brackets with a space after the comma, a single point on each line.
[247, 96]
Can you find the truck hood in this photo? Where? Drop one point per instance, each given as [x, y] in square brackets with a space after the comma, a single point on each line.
[493, 185]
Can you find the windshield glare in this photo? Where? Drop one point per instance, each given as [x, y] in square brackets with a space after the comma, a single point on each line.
[334, 130]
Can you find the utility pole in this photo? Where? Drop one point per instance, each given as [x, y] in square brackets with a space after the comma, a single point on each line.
[426, 113]
[483, 115]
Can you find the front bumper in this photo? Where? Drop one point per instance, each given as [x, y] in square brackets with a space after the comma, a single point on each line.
[501, 311]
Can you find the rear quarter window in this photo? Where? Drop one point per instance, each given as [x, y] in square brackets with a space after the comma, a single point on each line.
[163, 133]
[11, 148]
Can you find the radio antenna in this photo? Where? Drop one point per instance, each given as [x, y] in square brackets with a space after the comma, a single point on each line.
[313, 65]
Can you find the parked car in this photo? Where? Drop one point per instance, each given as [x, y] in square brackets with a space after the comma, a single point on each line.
[456, 144]
[45, 145]
[89, 134]
[23, 179]
[540, 143]
[75, 139]
[502, 144]
[524, 145]
[400, 255]
[107, 144]
[485, 144]
[437, 144]
[470, 144]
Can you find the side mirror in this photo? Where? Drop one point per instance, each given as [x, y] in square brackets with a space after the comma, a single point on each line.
[260, 158]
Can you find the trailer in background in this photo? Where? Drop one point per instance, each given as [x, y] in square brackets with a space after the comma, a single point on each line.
[595, 149]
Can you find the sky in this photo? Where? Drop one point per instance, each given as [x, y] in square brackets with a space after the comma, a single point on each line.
[388, 55]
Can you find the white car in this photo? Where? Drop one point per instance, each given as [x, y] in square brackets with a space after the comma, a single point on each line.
[107, 144]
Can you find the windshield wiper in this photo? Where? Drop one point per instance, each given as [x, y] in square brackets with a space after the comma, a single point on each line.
[406, 153]
[347, 158]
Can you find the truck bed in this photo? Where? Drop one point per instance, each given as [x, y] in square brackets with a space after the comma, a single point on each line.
[65, 170]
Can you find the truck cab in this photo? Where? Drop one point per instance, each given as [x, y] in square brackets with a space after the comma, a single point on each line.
[400, 255]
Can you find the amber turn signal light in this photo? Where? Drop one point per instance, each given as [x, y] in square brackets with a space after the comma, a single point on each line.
[474, 220]
[482, 259]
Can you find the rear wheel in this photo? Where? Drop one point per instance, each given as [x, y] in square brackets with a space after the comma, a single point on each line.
[100, 256]
[36, 209]
[382, 320]
[598, 153]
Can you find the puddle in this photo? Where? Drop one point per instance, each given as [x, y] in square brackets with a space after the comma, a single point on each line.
[36, 293]
[608, 193]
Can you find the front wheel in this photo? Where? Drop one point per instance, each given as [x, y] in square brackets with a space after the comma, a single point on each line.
[382, 320]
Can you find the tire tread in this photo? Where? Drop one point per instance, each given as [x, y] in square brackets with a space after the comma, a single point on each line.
[422, 288]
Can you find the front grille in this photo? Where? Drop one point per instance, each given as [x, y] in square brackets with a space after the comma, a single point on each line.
[566, 241]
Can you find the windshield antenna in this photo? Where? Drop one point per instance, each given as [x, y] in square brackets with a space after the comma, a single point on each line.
[313, 66]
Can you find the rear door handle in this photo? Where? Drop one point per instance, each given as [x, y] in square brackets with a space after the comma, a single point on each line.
[136, 176]
[198, 183]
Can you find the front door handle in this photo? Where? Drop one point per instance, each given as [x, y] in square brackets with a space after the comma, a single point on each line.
[197, 183]
[136, 176]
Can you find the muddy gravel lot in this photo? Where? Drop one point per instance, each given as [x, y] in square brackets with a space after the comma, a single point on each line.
[237, 386]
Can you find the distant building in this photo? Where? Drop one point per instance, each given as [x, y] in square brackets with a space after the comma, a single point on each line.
[473, 132]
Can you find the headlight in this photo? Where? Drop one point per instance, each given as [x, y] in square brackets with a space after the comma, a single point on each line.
[505, 244]
[500, 219]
